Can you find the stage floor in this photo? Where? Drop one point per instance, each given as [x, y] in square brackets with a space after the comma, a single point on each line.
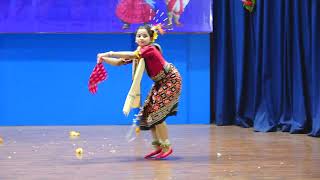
[200, 152]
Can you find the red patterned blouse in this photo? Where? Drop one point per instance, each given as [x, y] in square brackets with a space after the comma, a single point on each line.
[153, 59]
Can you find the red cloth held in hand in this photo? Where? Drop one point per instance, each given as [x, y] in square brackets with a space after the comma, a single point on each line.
[98, 75]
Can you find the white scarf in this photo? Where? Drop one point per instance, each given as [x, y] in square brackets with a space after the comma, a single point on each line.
[133, 97]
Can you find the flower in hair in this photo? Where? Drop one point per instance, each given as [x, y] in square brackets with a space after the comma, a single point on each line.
[156, 28]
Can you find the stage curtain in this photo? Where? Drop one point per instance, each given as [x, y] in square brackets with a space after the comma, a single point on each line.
[266, 65]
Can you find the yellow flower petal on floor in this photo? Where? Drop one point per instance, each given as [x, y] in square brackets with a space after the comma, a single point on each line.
[79, 156]
[137, 130]
[74, 134]
[79, 151]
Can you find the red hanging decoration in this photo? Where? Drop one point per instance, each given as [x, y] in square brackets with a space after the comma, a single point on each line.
[249, 4]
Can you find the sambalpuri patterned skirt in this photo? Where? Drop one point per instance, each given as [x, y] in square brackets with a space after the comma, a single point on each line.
[162, 100]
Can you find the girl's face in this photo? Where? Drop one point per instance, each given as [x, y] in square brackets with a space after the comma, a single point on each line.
[143, 38]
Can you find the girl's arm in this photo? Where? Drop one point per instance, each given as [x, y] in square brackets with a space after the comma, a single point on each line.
[114, 61]
[120, 54]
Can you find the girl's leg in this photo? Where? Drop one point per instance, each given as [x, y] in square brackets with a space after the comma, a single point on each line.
[176, 17]
[170, 16]
[155, 143]
[162, 131]
[125, 25]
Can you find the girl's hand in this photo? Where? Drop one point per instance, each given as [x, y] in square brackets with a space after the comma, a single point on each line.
[99, 60]
[100, 55]
[109, 54]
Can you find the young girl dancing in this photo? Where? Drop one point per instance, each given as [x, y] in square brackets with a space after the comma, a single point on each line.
[162, 100]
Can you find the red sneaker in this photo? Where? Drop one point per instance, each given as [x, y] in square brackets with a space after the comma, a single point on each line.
[163, 155]
[152, 153]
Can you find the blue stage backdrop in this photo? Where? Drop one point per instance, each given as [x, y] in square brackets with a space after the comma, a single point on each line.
[44, 78]
[51, 16]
